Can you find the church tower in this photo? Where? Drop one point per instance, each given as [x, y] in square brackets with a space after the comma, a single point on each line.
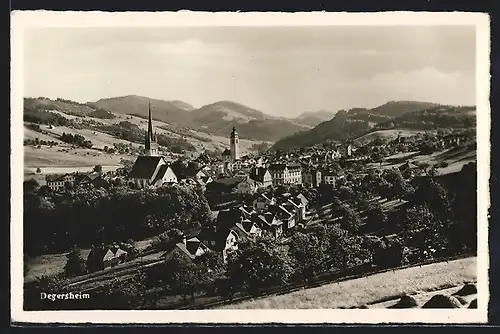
[150, 145]
[234, 143]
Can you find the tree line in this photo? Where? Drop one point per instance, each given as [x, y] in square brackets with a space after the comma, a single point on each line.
[83, 217]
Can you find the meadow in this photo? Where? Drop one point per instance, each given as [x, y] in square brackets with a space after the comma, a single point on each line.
[371, 289]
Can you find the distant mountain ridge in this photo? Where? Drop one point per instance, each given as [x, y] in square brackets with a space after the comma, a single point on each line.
[396, 114]
[215, 119]
[314, 118]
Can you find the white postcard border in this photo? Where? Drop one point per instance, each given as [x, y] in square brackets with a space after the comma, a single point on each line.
[35, 19]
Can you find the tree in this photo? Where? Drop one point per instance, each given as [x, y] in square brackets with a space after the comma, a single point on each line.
[399, 187]
[376, 216]
[98, 169]
[350, 252]
[185, 276]
[429, 191]
[350, 220]
[346, 193]
[75, 265]
[31, 186]
[308, 253]
[38, 170]
[257, 265]
[422, 229]
[124, 293]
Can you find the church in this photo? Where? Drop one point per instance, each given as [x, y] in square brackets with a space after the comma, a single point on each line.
[151, 170]
[231, 155]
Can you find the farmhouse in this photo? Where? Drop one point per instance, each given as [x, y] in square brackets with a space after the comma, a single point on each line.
[58, 182]
[190, 248]
[101, 257]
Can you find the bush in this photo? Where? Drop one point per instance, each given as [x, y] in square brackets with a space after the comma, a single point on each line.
[75, 265]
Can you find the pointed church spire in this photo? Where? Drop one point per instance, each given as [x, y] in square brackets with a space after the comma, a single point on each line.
[150, 123]
[150, 144]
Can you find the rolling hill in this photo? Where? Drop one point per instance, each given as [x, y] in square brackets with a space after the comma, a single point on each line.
[392, 115]
[313, 118]
[46, 120]
[166, 111]
[215, 119]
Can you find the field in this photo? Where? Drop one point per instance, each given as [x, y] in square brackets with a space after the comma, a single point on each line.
[63, 155]
[58, 157]
[372, 289]
[456, 158]
[215, 142]
[386, 135]
[51, 264]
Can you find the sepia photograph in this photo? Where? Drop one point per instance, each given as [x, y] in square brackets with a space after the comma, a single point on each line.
[325, 167]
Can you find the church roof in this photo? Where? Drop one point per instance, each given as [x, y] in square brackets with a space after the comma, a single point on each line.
[144, 167]
[161, 172]
[226, 152]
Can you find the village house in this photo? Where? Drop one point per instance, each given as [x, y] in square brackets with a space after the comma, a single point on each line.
[246, 211]
[246, 187]
[329, 177]
[58, 182]
[263, 201]
[262, 176]
[191, 248]
[93, 179]
[101, 257]
[286, 213]
[311, 176]
[409, 170]
[286, 173]
[231, 228]
[269, 222]
[245, 230]
[226, 155]
[299, 208]
[346, 150]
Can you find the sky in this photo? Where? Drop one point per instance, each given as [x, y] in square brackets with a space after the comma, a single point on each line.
[282, 71]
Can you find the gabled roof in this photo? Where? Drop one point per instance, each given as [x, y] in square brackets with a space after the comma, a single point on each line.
[190, 248]
[226, 152]
[57, 177]
[267, 218]
[161, 172]
[302, 199]
[144, 167]
[258, 173]
[228, 181]
[277, 167]
[113, 252]
[246, 209]
[246, 228]
[228, 217]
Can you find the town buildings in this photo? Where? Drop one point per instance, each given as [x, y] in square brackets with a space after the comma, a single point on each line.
[286, 173]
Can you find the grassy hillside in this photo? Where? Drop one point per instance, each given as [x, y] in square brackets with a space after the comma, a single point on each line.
[393, 115]
[47, 125]
[371, 289]
[436, 117]
[166, 111]
[385, 135]
[215, 119]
